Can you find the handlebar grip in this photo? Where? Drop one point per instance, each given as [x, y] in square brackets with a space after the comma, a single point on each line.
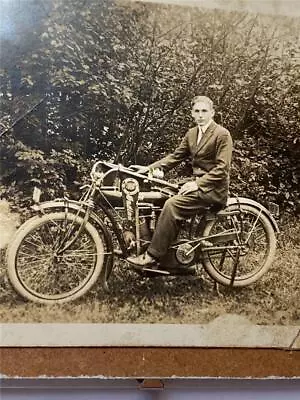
[134, 166]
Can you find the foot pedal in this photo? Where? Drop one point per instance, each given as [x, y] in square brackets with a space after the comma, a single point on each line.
[156, 271]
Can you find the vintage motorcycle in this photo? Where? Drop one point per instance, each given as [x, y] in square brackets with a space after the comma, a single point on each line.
[57, 255]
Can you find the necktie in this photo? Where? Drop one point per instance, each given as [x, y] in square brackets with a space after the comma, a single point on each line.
[200, 134]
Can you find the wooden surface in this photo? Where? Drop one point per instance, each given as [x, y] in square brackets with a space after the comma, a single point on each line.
[148, 362]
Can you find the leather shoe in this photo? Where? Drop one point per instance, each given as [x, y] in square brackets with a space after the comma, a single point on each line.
[144, 260]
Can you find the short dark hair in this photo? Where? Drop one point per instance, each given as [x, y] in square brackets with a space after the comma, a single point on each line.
[204, 99]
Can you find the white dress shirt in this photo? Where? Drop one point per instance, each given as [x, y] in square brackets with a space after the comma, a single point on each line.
[202, 130]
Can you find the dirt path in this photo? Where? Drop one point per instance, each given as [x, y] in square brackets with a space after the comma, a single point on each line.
[8, 223]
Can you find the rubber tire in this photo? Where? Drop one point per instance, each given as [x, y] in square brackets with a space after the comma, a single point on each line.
[270, 233]
[23, 231]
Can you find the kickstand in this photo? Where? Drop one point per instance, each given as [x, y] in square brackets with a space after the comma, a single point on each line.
[105, 286]
[216, 288]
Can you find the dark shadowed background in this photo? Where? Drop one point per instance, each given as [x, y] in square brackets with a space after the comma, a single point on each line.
[86, 79]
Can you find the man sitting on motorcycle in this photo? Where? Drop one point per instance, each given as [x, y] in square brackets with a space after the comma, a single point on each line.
[209, 145]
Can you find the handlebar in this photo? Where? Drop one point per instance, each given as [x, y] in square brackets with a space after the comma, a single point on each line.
[155, 175]
[134, 166]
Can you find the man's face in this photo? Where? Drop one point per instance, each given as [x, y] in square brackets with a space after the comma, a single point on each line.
[202, 113]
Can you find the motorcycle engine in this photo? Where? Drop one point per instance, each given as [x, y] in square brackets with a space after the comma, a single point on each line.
[129, 238]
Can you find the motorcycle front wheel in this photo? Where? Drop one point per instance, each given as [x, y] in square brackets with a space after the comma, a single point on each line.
[243, 260]
[55, 258]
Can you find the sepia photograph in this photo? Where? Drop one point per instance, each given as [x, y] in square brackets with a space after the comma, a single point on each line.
[149, 171]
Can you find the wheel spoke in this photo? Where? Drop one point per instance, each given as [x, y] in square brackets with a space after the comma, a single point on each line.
[252, 251]
[36, 243]
[48, 274]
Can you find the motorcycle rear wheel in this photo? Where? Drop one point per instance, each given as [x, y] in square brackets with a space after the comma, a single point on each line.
[257, 251]
[37, 270]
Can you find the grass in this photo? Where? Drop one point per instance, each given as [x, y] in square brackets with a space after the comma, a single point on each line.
[275, 299]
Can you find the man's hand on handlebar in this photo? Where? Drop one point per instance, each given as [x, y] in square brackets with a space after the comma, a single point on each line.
[188, 187]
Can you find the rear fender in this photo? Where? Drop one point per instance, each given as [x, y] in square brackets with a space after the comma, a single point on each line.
[255, 204]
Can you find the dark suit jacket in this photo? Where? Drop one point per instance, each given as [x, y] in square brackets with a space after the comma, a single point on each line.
[211, 160]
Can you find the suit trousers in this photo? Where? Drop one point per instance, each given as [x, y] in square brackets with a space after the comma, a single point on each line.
[176, 209]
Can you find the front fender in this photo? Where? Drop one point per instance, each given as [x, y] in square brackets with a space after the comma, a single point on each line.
[255, 204]
[72, 204]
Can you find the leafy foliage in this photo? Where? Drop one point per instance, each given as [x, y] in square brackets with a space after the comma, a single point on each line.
[115, 80]
[56, 173]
